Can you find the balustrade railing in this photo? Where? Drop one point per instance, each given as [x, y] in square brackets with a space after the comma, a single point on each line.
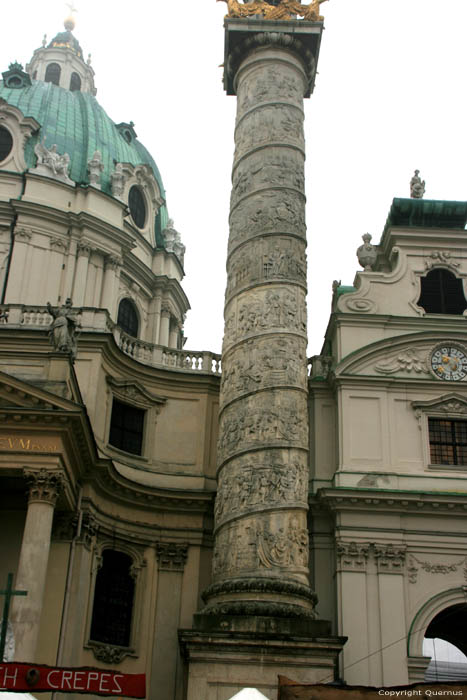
[98, 321]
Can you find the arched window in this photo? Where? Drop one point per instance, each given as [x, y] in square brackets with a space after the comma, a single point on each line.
[114, 594]
[127, 317]
[75, 82]
[442, 293]
[52, 74]
[6, 143]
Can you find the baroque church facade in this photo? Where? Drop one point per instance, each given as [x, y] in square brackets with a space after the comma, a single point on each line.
[215, 527]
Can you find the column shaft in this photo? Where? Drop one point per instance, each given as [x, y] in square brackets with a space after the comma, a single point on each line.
[32, 568]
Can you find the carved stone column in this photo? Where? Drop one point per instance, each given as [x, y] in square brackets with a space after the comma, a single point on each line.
[44, 488]
[165, 325]
[261, 546]
[17, 280]
[166, 669]
[109, 284]
[83, 254]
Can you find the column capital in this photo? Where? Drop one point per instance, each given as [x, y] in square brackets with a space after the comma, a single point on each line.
[84, 249]
[302, 38]
[390, 558]
[171, 556]
[352, 556]
[44, 485]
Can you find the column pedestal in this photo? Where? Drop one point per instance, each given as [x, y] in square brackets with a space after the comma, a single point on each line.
[227, 653]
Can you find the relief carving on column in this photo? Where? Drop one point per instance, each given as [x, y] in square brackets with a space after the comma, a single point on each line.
[255, 544]
[45, 485]
[270, 124]
[264, 363]
[275, 168]
[390, 558]
[281, 309]
[352, 556]
[273, 85]
[268, 211]
[268, 420]
[261, 480]
[267, 259]
[171, 556]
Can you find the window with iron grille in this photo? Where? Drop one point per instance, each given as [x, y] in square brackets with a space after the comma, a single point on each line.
[114, 594]
[126, 427]
[448, 441]
[442, 293]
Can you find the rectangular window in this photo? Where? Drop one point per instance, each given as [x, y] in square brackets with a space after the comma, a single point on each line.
[448, 441]
[126, 427]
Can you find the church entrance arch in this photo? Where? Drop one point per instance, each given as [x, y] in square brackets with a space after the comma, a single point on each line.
[443, 616]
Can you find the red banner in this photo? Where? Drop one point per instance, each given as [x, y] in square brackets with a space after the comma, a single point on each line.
[92, 681]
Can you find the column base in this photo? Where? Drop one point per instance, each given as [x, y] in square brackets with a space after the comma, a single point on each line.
[224, 654]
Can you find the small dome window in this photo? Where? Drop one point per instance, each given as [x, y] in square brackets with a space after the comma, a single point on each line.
[6, 143]
[52, 74]
[442, 293]
[127, 318]
[75, 83]
[137, 204]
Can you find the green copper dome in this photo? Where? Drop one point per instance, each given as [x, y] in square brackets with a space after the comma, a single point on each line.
[79, 126]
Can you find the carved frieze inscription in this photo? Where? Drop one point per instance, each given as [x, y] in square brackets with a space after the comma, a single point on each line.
[265, 259]
[268, 212]
[278, 167]
[274, 418]
[270, 124]
[258, 544]
[272, 84]
[263, 363]
[280, 309]
[261, 480]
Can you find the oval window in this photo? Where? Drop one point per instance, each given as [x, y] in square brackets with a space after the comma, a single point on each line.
[6, 143]
[137, 205]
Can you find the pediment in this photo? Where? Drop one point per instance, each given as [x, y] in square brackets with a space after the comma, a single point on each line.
[134, 393]
[452, 404]
[35, 394]
[406, 356]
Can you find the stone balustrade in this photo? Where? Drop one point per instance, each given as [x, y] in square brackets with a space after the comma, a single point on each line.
[91, 320]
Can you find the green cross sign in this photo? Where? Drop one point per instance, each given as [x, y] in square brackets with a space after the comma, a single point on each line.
[8, 593]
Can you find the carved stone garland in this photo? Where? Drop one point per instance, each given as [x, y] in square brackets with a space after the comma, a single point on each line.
[261, 537]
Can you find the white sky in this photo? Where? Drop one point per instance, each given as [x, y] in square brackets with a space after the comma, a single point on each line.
[390, 97]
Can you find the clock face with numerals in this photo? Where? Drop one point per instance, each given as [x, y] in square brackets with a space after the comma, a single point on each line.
[449, 362]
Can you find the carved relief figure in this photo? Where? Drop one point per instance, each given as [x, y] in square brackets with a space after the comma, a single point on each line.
[260, 481]
[272, 85]
[284, 548]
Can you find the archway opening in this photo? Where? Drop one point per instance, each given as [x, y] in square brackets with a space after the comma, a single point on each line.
[446, 642]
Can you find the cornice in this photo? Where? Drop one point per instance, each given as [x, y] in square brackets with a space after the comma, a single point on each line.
[351, 499]
[112, 484]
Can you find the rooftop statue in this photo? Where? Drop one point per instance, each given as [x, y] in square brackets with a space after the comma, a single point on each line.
[285, 9]
[417, 186]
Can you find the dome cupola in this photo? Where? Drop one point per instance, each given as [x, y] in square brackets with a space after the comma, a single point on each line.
[61, 62]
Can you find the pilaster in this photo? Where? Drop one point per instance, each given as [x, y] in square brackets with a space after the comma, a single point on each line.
[166, 667]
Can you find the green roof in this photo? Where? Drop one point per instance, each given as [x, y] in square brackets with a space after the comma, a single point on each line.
[427, 213]
[79, 126]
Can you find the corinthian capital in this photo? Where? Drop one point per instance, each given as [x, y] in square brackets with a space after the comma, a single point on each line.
[44, 485]
[171, 556]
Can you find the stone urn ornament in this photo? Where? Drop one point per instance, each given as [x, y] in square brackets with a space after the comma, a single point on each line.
[367, 253]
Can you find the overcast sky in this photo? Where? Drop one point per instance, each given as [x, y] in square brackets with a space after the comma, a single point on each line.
[390, 97]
